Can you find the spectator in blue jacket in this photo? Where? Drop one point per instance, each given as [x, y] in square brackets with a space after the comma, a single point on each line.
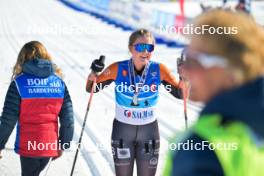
[38, 101]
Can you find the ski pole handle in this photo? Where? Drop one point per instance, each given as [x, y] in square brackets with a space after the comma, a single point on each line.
[98, 64]
[102, 59]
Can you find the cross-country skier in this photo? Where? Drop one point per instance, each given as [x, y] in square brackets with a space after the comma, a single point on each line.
[135, 134]
[37, 100]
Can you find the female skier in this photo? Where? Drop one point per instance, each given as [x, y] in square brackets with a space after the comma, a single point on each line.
[135, 134]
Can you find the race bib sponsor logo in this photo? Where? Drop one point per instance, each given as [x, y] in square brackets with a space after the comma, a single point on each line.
[127, 113]
[138, 114]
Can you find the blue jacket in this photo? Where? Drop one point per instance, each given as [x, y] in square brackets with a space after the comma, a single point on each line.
[244, 104]
[11, 110]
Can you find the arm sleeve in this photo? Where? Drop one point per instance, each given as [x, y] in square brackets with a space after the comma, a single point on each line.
[196, 162]
[169, 81]
[10, 114]
[106, 77]
[66, 121]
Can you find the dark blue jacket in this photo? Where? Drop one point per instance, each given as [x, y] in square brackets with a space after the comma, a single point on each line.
[244, 104]
[11, 109]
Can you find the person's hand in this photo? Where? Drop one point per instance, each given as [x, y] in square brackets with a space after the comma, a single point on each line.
[91, 79]
[91, 76]
[60, 152]
[1, 154]
[97, 65]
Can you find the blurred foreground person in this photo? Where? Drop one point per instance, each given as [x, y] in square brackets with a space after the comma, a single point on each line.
[226, 72]
[35, 99]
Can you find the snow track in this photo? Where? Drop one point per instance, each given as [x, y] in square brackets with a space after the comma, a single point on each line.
[73, 51]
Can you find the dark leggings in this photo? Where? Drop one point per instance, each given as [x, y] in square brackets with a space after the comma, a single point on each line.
[32, 166]
[135, 142]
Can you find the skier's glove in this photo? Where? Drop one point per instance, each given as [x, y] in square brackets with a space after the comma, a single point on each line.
[97, 65]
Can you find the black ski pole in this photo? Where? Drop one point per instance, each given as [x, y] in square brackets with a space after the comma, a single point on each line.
[185, 107]
[102, 59]
[180, 62]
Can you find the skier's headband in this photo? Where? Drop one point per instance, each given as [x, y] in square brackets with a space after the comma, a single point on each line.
[203, 59]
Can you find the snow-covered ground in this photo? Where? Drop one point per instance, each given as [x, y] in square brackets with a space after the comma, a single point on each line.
[74, 39]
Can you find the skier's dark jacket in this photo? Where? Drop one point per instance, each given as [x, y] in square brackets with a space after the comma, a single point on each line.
[244, 104]
[40, 122]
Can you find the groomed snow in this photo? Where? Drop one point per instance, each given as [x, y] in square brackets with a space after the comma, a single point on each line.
[74, 39]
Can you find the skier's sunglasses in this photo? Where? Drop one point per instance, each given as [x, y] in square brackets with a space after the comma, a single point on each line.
[141, 47]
